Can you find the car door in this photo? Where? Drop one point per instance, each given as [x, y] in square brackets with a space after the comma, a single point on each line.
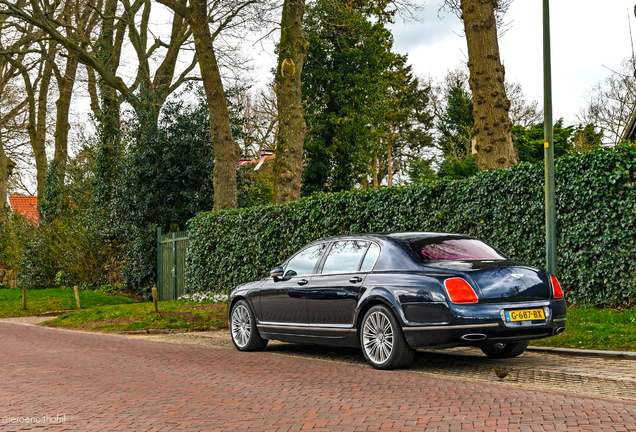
[284, 300]
[334, 291]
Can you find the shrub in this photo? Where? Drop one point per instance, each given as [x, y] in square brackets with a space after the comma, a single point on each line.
[596, 224]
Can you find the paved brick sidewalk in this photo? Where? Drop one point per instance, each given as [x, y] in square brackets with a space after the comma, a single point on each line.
[599, 376]
[103, 382]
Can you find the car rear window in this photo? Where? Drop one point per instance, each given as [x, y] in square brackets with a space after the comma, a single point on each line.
[452, 249]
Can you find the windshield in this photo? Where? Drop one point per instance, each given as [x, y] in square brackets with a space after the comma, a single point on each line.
[453, 249]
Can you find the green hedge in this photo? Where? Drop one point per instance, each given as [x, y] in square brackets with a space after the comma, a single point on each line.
[596, 225]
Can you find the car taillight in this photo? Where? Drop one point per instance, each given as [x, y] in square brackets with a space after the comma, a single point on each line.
[460, 291]
[556, 287]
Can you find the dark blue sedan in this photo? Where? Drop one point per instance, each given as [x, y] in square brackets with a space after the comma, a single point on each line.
[392, 294]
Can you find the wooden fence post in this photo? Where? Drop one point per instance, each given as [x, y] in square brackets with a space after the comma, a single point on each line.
[154, 297]
[77, 301]
[24, 306]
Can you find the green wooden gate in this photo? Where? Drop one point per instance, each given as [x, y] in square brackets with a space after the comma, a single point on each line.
[171, 255]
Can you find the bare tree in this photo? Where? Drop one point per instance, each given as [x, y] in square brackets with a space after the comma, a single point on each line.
[208, 23]
[27, 54]
[611, 103]
[84, 18]
[522, 111]
[260, 116]
[12, 108]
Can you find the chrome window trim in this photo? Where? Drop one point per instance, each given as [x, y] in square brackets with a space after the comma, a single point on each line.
[365, 255]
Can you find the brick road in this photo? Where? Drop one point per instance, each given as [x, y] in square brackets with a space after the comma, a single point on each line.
[107, 382]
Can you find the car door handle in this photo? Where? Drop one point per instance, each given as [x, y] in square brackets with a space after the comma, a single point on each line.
[355, 279]
[302, 282]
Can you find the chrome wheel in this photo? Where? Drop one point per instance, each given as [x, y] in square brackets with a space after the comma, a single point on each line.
[241, 326]
[377, 337]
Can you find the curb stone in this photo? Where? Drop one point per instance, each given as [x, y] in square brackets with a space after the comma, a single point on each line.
[153, 331]
[624, 355]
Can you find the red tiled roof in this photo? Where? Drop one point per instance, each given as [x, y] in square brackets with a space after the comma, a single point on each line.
[266, 155]
[25, 205]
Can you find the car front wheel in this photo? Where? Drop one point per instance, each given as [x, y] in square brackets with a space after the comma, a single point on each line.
[499, 350]
[243, 328]
[382, 340]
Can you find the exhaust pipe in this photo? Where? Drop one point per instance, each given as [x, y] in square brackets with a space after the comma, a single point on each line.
[472, 337]
[559, 330]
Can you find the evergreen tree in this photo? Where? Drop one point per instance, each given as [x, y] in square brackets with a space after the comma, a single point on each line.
[344, 87]
[408, 121]
[455, 130]
[530, 141]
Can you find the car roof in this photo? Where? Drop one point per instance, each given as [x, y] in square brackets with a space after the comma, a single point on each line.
[399, 236]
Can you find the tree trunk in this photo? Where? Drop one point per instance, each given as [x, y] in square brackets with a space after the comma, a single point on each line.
[389, 165]
[376, 169]
[490, 110]
[6, 168]
[63, 107]
[291, 133]
[38, 138]
[226, 150]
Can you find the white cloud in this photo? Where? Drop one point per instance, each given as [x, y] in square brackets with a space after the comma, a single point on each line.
[587, 38]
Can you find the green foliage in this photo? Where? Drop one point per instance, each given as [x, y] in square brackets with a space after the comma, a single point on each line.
[67, 247]
[407, 121]
[254, 188]
[585, 138]
[165, 179]
[458, 168]
[530, 141]
[420, 170]
[456, 124]
[344, 90]
[596, 210]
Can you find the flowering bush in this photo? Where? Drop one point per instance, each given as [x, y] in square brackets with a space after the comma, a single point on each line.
[201, 297]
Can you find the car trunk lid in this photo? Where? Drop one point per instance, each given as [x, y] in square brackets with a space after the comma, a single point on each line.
[504, 281]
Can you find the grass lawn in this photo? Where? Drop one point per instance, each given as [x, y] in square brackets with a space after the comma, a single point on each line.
[177, 314]
[48, 300]
[592, 328]
[588, 328]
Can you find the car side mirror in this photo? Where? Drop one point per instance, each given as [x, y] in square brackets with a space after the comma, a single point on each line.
[277, 273]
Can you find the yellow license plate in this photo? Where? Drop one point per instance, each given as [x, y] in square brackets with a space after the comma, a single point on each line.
[525, 315]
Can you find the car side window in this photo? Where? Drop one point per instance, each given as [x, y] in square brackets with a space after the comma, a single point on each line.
[370, 257]
[303, 263]
[345, 256]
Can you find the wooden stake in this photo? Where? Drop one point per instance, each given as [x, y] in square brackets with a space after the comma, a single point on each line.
[77, 301]
[154, 298]
[24, 298]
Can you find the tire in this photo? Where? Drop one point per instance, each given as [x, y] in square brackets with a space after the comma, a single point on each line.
[382, 340]
[504, 350]
[243, 329]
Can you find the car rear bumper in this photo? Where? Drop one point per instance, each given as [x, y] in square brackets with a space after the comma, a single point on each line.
[487, 325]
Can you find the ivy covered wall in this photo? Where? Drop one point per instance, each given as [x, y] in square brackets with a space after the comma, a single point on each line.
[596, 225]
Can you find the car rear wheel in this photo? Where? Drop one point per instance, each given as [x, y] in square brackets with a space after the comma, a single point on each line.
[382, 340]
[504, 350]
[243, 328]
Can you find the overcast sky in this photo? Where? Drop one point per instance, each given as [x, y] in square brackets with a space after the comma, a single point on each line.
[588, 37]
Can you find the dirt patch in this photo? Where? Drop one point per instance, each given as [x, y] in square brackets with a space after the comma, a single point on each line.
[190, 318]
[214, 307]
[90, 325]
